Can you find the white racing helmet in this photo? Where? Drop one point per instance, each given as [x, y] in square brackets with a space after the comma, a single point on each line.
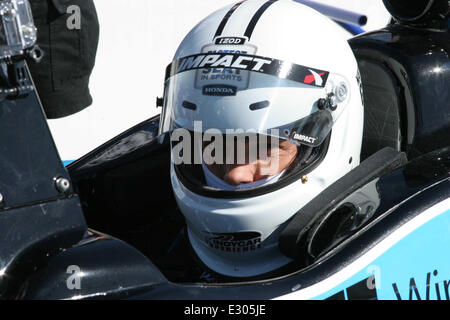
[276, 69]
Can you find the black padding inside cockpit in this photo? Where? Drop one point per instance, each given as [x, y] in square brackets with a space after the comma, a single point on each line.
[293, 239]
[382, 99]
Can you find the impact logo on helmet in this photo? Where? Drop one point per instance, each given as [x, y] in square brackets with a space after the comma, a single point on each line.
[304, 138]
[247, 62]
[234, 242]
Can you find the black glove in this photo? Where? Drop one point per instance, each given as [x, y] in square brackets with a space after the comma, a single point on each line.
[70, 46]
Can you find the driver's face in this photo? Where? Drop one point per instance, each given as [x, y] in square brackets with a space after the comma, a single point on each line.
[251, 171]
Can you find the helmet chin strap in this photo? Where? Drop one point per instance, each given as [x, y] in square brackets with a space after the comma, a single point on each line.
[215, 182]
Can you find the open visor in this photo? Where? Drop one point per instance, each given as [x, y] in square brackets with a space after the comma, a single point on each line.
[235, 94]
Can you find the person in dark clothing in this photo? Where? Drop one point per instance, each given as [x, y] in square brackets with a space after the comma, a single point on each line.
[68, 33]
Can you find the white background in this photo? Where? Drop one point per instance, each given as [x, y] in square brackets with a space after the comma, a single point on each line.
[138, 39]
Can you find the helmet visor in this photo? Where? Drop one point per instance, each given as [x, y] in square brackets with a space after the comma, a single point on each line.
[235, 94]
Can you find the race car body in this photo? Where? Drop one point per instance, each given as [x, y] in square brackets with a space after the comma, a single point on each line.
[375, 234]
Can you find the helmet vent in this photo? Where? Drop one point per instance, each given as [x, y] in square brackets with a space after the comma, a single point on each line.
[189, 105]
[259, 105]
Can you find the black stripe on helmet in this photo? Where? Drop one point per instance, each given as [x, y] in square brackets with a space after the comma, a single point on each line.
[251, 26]
[226, 18]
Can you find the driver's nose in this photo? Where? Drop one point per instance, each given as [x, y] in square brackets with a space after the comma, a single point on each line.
[240, 174]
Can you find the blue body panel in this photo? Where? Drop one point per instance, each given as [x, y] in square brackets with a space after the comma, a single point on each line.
[415, 268]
